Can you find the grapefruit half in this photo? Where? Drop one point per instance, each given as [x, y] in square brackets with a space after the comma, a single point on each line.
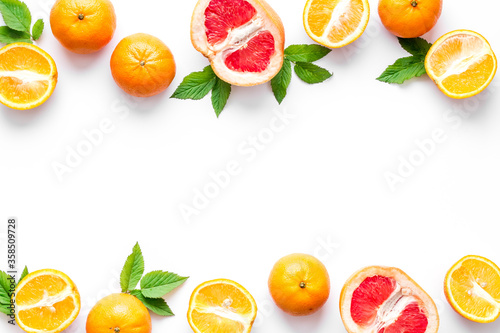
[386, 300]
[243, 39]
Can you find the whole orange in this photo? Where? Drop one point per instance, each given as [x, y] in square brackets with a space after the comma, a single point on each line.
[142, 65]
[83, 26]
[299, 284]
[119, 313]
[409, 18]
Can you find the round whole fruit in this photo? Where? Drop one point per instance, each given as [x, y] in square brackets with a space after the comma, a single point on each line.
[20, 63]
[409, 18]
[46, 301]
[142, 65]
[119, 313]
[243, 39]
[385, 299]
[83, 26]
[299, 284]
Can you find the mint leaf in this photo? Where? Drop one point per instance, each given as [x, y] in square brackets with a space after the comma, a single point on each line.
[37, 29]
[9, 36]
[282, 80]
[132, 270]
[159, 283]
[415, 46]
[403, 69]
[16, 15]
[196, 85]
[220, 95]
[23, 274]
[311, 73]
[157, 305]
[306, 53]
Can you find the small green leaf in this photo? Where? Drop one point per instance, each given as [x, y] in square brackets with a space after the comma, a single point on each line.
[4, 292]
[157, 305]
[132, 270]
[306, 53]
[23, 274]
[282, 80]
[220, 95]
[311, 73]
[9, 36]
[415, 46]
[196, 85]
[16, 15]
[159, 283]
[403, 69]
[37, 29]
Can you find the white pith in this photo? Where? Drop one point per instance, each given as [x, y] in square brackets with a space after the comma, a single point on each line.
[478, 291]
[48, 301]
[392, 308]
[25, 76]
[226, 311]
[239, 37]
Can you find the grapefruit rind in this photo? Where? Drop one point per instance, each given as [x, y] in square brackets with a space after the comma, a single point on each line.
[245, 320]
[266, 19]
[70, 291]
[51, 78]
[440, 78]
[425, 301]
[453, 302]
[323, 39]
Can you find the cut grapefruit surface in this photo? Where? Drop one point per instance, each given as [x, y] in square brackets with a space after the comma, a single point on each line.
[386, 300]
[243, 39]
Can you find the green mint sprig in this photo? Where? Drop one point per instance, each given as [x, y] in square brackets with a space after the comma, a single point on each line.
[17, 18]
[302, 57]
[408, 67]
[6, 292]
[153, 286]
[197, 85]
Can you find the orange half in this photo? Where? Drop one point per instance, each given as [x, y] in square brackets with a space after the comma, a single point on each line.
[336, 23]
[472, 287]
[461, 63]
[221, 305]
[46, 301]
[28, 76]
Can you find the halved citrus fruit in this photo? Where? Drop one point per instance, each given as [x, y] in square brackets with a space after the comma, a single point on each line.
[28, 76]
[461, 63]
[46, 301]
[472, 287]
[386, 300]
[336, 23]
[221, 306]
[243, 39]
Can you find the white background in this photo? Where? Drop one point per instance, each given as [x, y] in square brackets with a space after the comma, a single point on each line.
[318, 187]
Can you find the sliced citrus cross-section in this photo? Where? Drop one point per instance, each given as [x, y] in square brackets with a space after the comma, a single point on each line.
[472, 287]
[386, 300]
[28, 76]
[336, 23]
[461, 63]
[221, 306]
[46, 301]
[243, 39]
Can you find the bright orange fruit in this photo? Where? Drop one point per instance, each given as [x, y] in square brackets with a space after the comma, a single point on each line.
[472, 287]
[46, 301]
[336, 23]
[28, 76]
[409, 18]
[83, 26]
[221, 306]
[461, 63]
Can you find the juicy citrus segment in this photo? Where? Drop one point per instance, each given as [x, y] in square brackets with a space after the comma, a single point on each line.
[336, 23]
[472, 287]
[46, 301]
[461, 63]
[28, 76]
[221, 306]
